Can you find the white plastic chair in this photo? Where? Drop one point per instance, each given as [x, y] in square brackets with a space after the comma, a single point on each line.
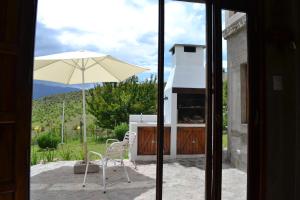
[114, 151]
[130, 137]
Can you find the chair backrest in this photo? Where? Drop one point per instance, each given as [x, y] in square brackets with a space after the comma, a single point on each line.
[129, 138]
[116, 150]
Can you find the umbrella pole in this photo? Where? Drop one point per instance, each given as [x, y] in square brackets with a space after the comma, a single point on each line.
[84, 119]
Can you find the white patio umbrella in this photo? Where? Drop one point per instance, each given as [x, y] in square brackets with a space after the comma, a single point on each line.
[81, 67]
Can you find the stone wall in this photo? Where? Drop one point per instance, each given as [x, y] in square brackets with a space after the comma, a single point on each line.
[236, 35]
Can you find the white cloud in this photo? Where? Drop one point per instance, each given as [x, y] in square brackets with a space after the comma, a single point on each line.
[112, 20]
[184, 22]
[124, 28]
[198, 6]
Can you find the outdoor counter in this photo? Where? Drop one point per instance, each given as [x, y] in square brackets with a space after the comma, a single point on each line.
[180, 140]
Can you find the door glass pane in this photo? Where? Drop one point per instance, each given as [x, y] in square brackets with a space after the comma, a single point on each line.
[184, 100]
[235, 105]
[127, 31]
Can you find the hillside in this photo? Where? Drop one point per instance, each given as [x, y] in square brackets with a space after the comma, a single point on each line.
[43, 88]
[47, 111]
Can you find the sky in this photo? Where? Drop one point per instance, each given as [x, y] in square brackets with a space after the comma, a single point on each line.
[126, 29]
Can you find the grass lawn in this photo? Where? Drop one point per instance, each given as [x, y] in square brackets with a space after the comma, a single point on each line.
[225, 141]
[73, 151]
[69, 151]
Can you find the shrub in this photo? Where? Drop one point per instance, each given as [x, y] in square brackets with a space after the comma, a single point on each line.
[33, 139]
[65, 152]
[102, 139]
[49, 155]
[80, 155]
[48, 141]
[34, 156]
[120, 131]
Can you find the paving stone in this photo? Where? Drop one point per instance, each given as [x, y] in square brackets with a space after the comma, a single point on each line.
[183, 179]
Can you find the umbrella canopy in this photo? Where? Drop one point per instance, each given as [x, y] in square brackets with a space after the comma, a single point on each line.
[80, 67]
[67, 68]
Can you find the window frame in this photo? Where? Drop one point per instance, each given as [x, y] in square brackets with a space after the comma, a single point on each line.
[213, 172]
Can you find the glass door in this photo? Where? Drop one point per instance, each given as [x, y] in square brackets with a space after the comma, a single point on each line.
[235, 111]
[184, 100]
[223, 172]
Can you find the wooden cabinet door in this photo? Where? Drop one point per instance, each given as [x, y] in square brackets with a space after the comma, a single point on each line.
[17, 28]
[167, 140]
[190, 140]
[146, 141]
[147, 137]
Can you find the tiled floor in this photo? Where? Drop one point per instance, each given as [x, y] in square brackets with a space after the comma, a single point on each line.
[183, 179]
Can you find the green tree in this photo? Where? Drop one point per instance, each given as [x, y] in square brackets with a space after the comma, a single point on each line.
[112, 103]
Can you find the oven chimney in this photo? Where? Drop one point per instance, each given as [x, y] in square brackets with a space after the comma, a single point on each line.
[186, 79]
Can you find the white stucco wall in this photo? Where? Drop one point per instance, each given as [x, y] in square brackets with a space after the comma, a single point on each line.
[189, 70]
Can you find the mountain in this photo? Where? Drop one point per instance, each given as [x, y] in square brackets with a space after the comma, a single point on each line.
[45, 88]
[47, 112]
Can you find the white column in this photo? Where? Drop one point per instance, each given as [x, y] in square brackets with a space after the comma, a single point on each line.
[174, 125]
[133, 151]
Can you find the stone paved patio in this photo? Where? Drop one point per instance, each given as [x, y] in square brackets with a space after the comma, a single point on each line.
[183, 179]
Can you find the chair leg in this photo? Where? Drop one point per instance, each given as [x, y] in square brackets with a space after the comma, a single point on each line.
[125, 170]
[86, 170]
[115, 163]
[104, 163]
[135, 166]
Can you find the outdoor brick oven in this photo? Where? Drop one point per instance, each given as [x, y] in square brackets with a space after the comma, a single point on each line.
[190, 108]
[184, 104]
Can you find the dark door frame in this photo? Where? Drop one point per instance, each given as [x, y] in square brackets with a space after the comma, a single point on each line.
[21, 115]
[256, 138]
[17, 31]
